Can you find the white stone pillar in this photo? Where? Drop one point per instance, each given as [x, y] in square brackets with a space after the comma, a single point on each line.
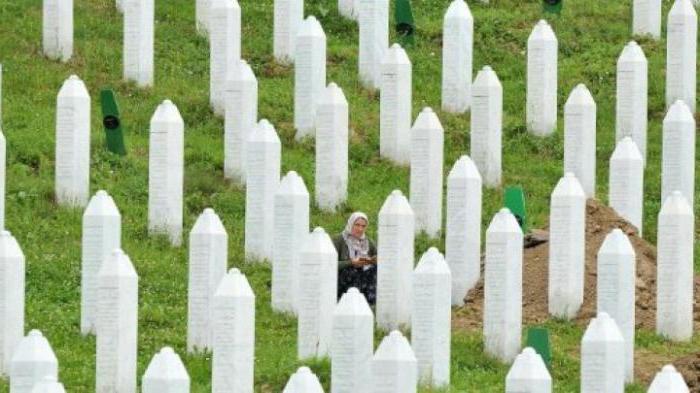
[73, 143]
[395, 102]
[395, 262]
[165, 172]
[602, 356]
[224, 48]
[486, 123]
[48, 385]
[263, 158]
[678, 156]
[674, 269]
[646, 18]
[352, 345]
[580, 137]
[331, 149]
[626, 182]
[528, 374]
[12, 271]
[668, 380]
[57, 29]
[138, 41]
[303, 381]
[166, 374]
[348, 9]
[117, 325]
[394, 366]
[631, 99]
[241, 102]
[318, 291]
[457, 49]
[288, 15]
[542, 69]
[234, 335]
[503, 287]
[374, 39]
[33, 360]
[202, 16]
[102, 233]
[427, 151]
[681, 56]
[309, 75]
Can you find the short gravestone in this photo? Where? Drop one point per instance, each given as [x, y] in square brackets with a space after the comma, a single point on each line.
[348, 9]
[678, 153]
[57, 29]
[33, 360]
[263, 156]
[233, 337]
[503, 287]
[668, 380]
[202, 16]
[626, 182]
[165, 172]
[580, 137]
[303, 381]
[12, 277]
[331, 149]
[48, 385]
[646, 18]
[318, 291]
[631, 98]
[138, 41]
[352, 344]
[681, 56]
[486, 124]
[288, 15]
[395, 262]
[101, 235]
[373, 18]
[674, 269]
[602, 356]
[309, 75]
[395, 84]
[166, 374]
[394, 366]
[241, 107]
[457, 52]
[567, 241]
[208, 258]
[528, 374]
[73, 143]
[542, 47]
[224, 48]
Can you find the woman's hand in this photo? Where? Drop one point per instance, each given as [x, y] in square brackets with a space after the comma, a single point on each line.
[359, 262]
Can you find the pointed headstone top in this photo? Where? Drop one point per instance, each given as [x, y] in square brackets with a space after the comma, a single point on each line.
[395, 347]
[528, 365]
[9, 248]
[311, 27]
[319, 242]
[542, 32]
[580, 95]
[34, 347]
[396, 55]
[264, 132]
[504, 221]
[353, 303]
[682, 7]
[117, 264]
[166, 364]
[427, 120]
[396, 203]
[668, 380]
[464, 168]
[241, 72]
[234, 284]
[208, 222]
[569, 186]
[676, 204]
[486, 77]
[432, 262]
[292, 184]
[101, 204]
[632, 53]
[333, 95]
[73, 87]
[602, 329]
[167, 112]
[303, 381]
[616, 243]
[627, 150]
[679, 112]
[458, 9]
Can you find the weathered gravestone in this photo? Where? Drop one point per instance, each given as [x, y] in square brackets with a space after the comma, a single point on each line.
[486, 123]
[348, 8]
[626, 182]
[631, 99]
[202, 16]
[57, 29]
[396, 98]
[352, 344]
[12, 271]
[33, 360]
[681, 55]
[394, 366]
[646, 18]
[241, 104]
[427, 151]
[224, 48]
[288, 15]
[678, 155]
[542, 47]
[309, 75]
[303, 381]
[457, 49]
[528, 374]
[602, 357]
[374, 39]
[48, 385]
[668, 380]
[331, 149]
[580, 137]
[166, 374]
[138, 41]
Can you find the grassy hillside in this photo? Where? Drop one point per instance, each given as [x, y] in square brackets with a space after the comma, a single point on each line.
[591, 35]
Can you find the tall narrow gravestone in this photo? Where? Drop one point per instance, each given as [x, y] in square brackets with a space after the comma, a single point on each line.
[542, 47]
[166, 374]
[291, 227]
[674, 274]
[602, 356]
[117, 325]
[374, 39]
[309, 75]
[165, 172]
[486, 123]
[678, 156]
[331, 149]
[48, 385]
[528, 374]
[427, 151]
[12, 271]
[58, 29]
[138, 41]
[631, 99]
[457, 49]
[395, 106]
[646, 18]
[681, 56]
[101, 235]
[208, 257]
[202, 16]
[318, 291]
[394, 366]
[567, 241]
[626, 182]
[263, 156]
[73, 143]
[431, 318]
[395, 262]
[241, 103]
[224, 48]
[32, 361]
[463, 228]
[288, 15]
[233, 337]
[352, 344]
[303, 381]
[503, 287]
[348, 8]
[668, 380]
[580, 137]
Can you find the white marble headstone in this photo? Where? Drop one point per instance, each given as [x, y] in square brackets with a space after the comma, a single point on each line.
[288, 15]
[668, 380]
[33, 360]
[138, 41]
[646, 18]
[348, 8]
[486, 123]
[394, 366]
[309, 75]
[528, 374]
[352, 344]
[57, 29]
[626, 182]
[12, 279]
[678, 156]
[395, 84]
[681, 53]
[542, 48]
[457, 48]
[602, 356]
[580, 137]
[374, 39]
[241, 104]
[303, 381]
[631, 98]
[166, 374]
[331, 149]
[48, 385]
[224, 48]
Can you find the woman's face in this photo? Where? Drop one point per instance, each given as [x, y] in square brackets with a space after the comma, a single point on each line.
[358, 227]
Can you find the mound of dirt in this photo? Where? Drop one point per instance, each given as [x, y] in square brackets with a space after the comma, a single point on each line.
[689, 366]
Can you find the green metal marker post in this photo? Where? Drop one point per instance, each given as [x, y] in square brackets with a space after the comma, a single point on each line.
[538, 339]
[515, 202]
[405, 25]
[114, 135]
[552, 6]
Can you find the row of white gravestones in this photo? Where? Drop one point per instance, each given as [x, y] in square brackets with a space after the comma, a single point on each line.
[12, 279]
[486, 126]
[394, 366]
[348, 9]
[602, 356]
[73, 143]
[331, 148]
[291, 227]
[542, 47]
[678, 153]
[48, 385]
[165, 172]
[395, 102]
[224, 48]
[567, 241]
[309, 75]
[165, 374]
[288, 15]
[374, 39]
[101, 235]
[138, 41]
[241, 107]
[32, 361]
[528, 374]
[427, 151]
[668, 380]
[395, 249]
[626, 182]
[352, 343]
[681, 56]
[263, 157]
[631, 98]
[57, 29]
[233, 337]
[202, 16]
[674, 276]
[646, 18]
[457, 49]
[208, 256]
[580, 137]
[303, 381]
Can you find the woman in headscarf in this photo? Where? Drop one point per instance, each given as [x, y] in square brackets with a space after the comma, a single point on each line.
[357, 258]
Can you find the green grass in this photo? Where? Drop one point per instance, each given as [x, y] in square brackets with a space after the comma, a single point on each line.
[591, 35]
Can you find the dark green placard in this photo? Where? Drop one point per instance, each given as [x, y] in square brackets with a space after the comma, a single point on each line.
[538, 339]
[405, 25]
[114, 134]
[515, 202]
[552, 6]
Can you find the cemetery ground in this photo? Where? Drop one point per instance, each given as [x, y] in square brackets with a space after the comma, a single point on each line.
[591, 35]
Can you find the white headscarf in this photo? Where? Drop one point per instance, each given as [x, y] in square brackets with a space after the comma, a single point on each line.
[357, 247]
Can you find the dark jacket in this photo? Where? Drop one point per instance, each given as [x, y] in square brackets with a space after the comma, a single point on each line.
[344, 252]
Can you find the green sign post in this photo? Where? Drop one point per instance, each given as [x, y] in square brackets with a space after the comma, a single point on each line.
[515, 202]
[405, 25]
[538, 339]
[552, 6]
[114, 134]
